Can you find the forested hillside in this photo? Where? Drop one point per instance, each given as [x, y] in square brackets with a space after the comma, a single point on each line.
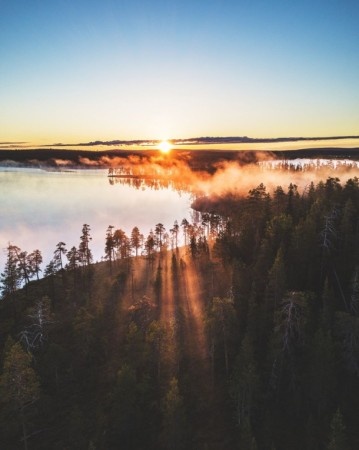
[246, 337]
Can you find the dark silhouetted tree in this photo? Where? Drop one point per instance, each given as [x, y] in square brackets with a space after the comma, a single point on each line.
[110, 246]
[24, 267]
[35, 259]
[159, 231]
[185, 225]
[150, 245]
[121, 241]
[73, 258]
[58, 253]
[84, 249]
[174, 231]
[10, 279]
[136, 239]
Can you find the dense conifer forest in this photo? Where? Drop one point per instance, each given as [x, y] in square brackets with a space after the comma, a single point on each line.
[246, 336]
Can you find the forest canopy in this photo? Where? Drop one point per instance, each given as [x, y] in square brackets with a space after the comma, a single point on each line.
[245, 337]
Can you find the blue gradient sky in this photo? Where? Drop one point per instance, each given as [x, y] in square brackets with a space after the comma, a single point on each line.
[87, 70]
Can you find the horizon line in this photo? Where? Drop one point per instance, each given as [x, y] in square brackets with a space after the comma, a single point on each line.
[202, 140]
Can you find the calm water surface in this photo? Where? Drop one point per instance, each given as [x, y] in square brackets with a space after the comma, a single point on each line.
[40, 208]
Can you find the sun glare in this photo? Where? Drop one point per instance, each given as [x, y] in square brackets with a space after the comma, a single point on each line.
[164, 146]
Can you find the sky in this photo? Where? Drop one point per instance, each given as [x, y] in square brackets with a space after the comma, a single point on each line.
[78, 71]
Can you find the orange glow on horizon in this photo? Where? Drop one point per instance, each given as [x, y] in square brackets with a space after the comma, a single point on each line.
[164, 147]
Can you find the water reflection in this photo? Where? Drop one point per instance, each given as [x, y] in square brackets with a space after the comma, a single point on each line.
[149, 182]
[153, 174]
[41, 208]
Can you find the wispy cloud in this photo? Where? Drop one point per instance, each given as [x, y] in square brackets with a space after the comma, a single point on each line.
[14, 145]
[150, 143]
[203, 140]
[10, 143]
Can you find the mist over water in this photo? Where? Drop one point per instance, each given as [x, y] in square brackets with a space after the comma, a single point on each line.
[240, 175]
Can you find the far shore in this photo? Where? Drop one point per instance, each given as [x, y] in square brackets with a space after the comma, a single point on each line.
[196, 159]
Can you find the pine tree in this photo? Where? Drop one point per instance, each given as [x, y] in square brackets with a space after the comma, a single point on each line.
[19, 385]
[50, 269]
[321, 375]
[174, 419]
[279, 201]
[328, 306]
[354, 297]
[338, 437]
[174, 231]
[159, 231]
[35, 259]
[193, 246]
[276, 281]
[10, 278]
[244, 384]
[126, 396]
[221, 324]
[84, 249]
[110, 246]
[185, 225]
[58, 253]
[73, 258]
[136, 238]
[24, 267]
[150, 245]
[120, 239]
[247, 440]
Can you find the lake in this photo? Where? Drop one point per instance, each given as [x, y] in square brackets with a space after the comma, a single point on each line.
[41, 208]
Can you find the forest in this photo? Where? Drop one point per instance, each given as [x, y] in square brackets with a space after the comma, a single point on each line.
[239, 330]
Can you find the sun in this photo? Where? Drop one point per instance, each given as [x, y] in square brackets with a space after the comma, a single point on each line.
[164, 146]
